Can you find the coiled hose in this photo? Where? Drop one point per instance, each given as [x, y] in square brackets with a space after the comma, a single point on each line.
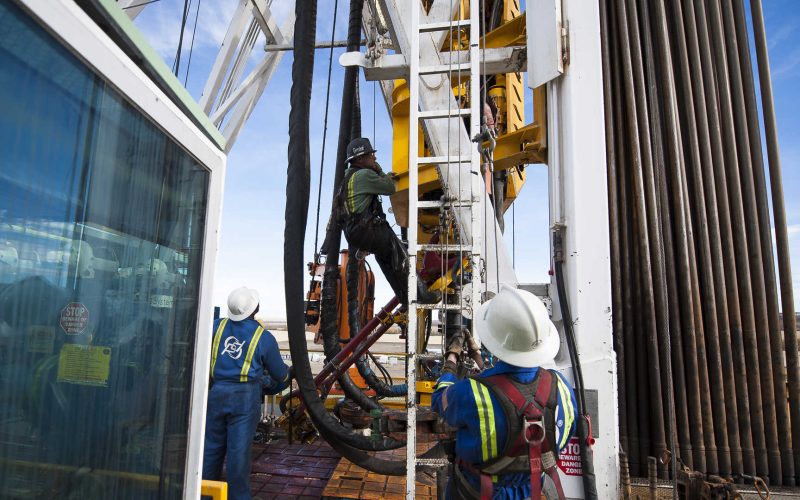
[298, 185]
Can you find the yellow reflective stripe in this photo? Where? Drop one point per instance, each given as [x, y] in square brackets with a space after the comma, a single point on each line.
[351, 193]
[482, 418]
[442, 385]
[251, 351]
[215, 345]
[492, 434]
[569, 411]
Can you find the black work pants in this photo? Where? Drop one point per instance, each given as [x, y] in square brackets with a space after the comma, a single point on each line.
[374, 235]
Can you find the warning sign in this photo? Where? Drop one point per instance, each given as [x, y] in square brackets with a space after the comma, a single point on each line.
[84, 365]
[74, 318]
[569, 461]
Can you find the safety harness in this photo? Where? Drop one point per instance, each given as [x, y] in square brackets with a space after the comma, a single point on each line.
[373, 213]
[530, 446]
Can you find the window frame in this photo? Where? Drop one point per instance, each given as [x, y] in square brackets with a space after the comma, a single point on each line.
[76, 31]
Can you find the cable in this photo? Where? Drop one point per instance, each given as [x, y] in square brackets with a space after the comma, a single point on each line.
[584, 429]
[140, 4]
[513, 236]
[191, 47]
[325, 129]
[176, 65]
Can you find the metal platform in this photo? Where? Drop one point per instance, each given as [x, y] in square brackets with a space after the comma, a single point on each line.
[291, 471]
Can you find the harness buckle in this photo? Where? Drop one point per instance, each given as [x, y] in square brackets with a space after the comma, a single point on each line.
[533, 430]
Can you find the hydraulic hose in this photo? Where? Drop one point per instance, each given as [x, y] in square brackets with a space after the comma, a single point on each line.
[298, 185]
[380, 387]
[349, 127]
[584, 423]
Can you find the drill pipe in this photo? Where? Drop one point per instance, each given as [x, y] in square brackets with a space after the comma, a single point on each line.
[692, 431]
[762, 204]
[613, 224]
[658, 164]
[747, 381]
[645, 390]
[642, 183]
[631, 440]
[781, 234]
[689, 160]
[761, 416]
[697, 119]
[777, 423]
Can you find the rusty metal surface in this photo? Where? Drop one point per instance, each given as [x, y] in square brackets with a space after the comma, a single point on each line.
[351, 481]
[291, 471]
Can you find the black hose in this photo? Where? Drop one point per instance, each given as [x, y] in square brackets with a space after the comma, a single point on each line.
[298, 185]
[584, 424]
[380, 387]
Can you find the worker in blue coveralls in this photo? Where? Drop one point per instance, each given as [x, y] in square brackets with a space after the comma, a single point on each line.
[245, 364]
[510, 414]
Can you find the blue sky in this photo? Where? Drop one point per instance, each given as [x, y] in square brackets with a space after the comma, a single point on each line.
[251, 250]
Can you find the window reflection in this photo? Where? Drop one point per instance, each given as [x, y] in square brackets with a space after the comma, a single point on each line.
[101, 225]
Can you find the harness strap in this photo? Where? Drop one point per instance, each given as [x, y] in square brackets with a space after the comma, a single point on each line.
[215, 344]
[533, 433]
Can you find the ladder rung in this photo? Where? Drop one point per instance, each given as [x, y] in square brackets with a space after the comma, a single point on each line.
[444, 113]
[433, 462]
[446, 25]
[432, 247]
[444, 307]
[438, 69]
[442, 160]
[444, 204]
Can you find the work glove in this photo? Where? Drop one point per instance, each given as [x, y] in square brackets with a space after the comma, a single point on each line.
[450, 367]
[455, 345]
[474, 349]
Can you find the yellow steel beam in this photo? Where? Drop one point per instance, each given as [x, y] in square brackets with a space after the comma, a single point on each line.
[217, 490]
[507, 34]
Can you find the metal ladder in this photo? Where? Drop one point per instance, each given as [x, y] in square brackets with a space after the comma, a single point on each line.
[467, 154]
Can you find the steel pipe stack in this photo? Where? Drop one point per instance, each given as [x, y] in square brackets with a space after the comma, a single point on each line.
[704, 358]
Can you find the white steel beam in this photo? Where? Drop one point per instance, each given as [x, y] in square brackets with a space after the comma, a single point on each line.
[579, 203]
[493, 61]
[266, 21]
[450, 138]
[132, 7]
[267, 64]
[226, 53]
[255, 86]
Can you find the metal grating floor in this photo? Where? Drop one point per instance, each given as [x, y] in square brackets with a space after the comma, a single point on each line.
[291, 471]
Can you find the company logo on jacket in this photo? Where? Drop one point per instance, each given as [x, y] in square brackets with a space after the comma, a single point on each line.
[233, 347]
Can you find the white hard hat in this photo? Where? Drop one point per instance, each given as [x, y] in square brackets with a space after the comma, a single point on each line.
[515, 327]
[241, 303]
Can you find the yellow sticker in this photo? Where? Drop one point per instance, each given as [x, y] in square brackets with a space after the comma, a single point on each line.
[84, 365]
[40, 339]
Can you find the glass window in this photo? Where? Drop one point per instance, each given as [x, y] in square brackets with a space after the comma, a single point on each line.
[101, 229]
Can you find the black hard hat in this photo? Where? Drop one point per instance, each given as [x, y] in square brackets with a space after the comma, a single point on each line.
[359, 147]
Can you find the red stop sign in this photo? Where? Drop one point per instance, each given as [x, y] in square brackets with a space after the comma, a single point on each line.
[74, 318]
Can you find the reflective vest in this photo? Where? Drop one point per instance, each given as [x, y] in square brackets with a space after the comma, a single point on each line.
[530, 411]
[246, 361]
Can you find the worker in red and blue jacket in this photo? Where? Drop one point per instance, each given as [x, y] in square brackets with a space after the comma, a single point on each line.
[245, 364]
[493, 412]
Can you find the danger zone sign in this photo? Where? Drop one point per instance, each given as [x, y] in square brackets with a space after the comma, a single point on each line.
[569, 461]
[74, 318]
